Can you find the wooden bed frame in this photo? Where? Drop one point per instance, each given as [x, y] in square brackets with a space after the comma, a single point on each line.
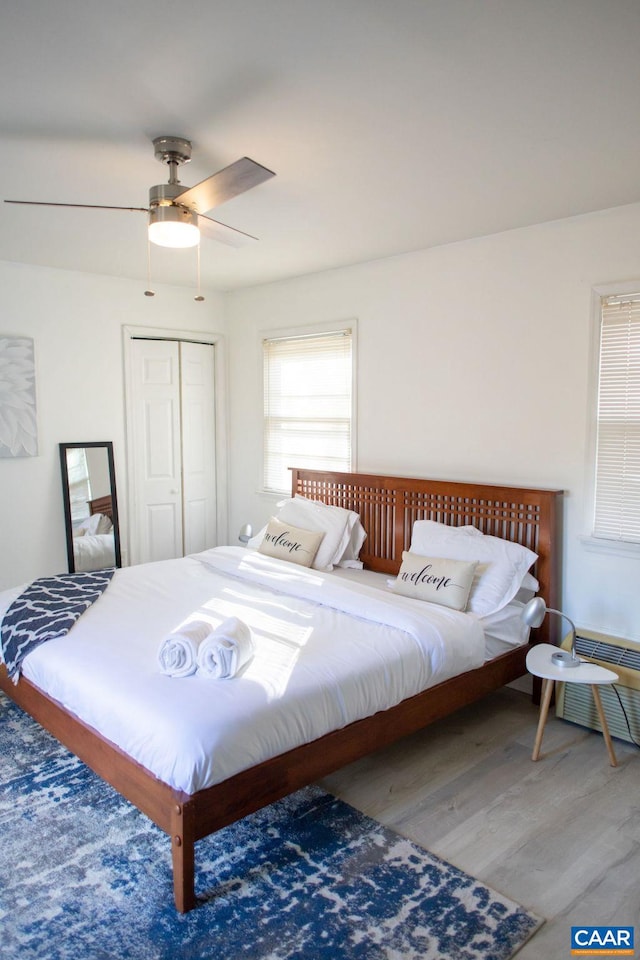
[103, 505]
[388, 507]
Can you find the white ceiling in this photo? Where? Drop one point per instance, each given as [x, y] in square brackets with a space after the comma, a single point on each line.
[392, 125]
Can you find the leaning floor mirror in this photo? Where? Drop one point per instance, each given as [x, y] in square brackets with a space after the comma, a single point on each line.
[90, 506]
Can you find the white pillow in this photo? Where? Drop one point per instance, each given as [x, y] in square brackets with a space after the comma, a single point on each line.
[286, 542]
[351, 555]
[334, 522]
[501, 563]
[529, 582]
[356, 533]
[91, 525]
[528, 589]
[447, 582]
[351, 541]
[105, 525]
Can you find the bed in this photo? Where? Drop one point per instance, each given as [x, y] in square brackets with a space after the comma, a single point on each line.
[388, 508]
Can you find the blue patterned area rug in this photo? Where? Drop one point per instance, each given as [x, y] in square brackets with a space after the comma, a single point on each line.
[84, 875]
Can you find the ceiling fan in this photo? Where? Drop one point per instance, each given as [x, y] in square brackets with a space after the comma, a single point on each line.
[177, 213]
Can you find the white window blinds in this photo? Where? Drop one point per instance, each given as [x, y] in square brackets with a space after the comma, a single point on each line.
[308, 405]
[79, 484]
[617, 499]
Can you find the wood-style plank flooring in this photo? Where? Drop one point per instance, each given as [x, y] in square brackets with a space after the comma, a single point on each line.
[560, 836]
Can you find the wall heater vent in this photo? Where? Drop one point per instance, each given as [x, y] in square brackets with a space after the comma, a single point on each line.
[575, 700]
[605, 652]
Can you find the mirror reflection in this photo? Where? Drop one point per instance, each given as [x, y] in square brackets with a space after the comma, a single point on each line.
[90, 506]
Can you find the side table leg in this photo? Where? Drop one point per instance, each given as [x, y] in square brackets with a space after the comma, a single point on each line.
[547, 690]
[603, 724]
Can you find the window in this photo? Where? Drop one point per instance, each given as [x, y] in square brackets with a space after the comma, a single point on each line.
[79, 484]
[617, 469]
[308, 405]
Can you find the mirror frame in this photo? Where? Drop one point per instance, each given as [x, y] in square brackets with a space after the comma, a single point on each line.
[108, 446]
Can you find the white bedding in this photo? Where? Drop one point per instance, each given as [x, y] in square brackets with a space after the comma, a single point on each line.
[503, 629]
[328, 652]
[94, 551]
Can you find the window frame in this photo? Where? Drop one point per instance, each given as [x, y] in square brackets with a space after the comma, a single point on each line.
[589, 540]
[301, 332]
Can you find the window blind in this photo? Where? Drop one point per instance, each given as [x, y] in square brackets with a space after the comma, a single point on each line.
[308, 405]
[79, 485]
[617, 480]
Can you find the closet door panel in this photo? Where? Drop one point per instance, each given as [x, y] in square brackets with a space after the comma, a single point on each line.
[156, 416]
[160, 523]
[198, 446]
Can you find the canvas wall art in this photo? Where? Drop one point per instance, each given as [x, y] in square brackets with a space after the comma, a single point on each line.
[18, 428]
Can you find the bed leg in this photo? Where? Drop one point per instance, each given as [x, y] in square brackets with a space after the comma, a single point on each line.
[183, 855]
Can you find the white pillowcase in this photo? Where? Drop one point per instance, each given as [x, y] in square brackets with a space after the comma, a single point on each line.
[96, 523]
[351, 555]
[528, 589]
[435, 580]
[105, 525]
[287, 542]
[351, 541]
[343, 532]
[501, 568]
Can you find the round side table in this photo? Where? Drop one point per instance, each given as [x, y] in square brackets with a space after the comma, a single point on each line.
[539, 664]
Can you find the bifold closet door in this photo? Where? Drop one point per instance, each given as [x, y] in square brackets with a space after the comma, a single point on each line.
[197, 401]
[172, 419]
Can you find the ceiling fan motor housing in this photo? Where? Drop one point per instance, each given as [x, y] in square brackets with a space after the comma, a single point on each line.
[172, 149]
[162, 204]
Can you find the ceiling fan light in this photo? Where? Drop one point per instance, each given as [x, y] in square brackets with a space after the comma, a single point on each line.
[173, 226]
[174, 234]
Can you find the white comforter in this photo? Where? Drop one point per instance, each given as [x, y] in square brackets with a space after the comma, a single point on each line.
[327, 652]
[94, 551]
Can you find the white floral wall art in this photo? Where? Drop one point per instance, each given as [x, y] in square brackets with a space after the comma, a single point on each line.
[18, 431]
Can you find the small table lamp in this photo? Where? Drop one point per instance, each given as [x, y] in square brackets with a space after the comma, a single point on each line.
[246, 532]
[533, 613]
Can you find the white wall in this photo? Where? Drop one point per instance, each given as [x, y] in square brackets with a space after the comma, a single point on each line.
[474, 364]
[76, 323]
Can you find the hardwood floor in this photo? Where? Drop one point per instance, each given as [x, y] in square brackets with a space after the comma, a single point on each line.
[560, 836]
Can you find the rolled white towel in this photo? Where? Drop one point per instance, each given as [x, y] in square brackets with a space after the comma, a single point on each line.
[225, 650]
[178, 653]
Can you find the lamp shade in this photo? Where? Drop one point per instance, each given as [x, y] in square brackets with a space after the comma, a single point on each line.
[533, 612]
[173, 226]
[246, 532]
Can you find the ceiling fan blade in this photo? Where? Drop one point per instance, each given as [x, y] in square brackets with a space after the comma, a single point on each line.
[220, 231]
[85, 206]
[224, 185]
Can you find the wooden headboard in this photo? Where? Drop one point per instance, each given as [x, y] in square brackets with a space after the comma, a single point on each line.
[388, 507]
[102, 505]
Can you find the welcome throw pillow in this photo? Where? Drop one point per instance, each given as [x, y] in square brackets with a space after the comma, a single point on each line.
[286, 542]
[447, 582]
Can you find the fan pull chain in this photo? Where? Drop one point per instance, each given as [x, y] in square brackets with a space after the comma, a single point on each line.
[198, 298]
[149, 292]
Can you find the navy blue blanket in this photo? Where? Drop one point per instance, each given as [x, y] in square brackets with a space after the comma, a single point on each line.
[46, 609]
